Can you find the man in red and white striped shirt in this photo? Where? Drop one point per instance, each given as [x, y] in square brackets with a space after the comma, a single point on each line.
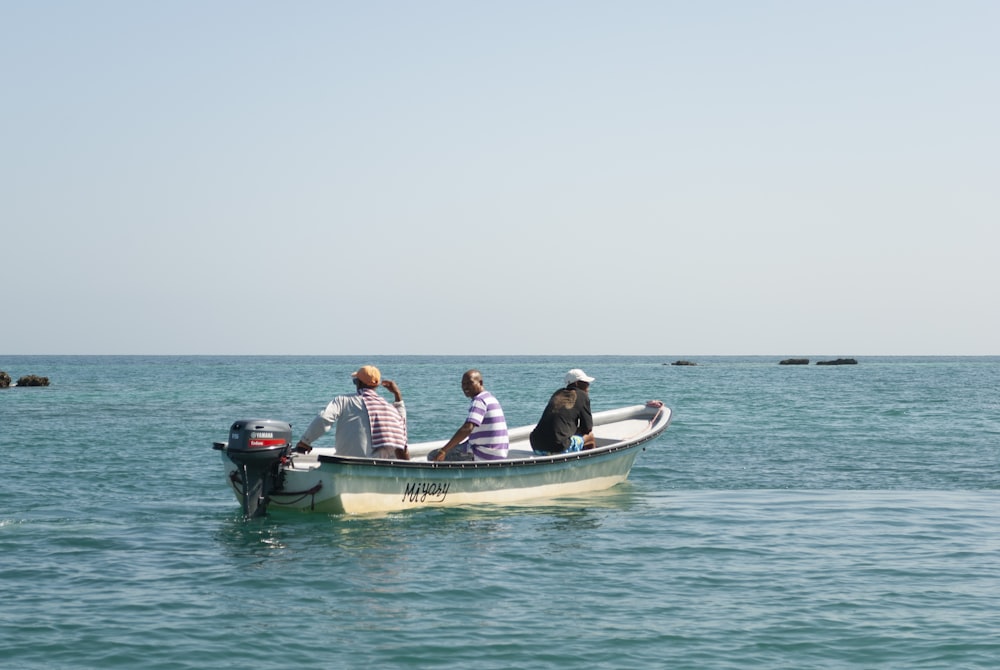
[367, 425]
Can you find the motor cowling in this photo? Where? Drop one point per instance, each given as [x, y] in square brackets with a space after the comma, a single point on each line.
[258, 447]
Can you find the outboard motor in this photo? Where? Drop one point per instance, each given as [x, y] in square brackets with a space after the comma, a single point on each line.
[258, 447]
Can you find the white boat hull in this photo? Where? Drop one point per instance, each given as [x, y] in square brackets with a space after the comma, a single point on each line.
[324, 482]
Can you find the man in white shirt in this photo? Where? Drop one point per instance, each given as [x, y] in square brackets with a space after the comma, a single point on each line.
[367, 425]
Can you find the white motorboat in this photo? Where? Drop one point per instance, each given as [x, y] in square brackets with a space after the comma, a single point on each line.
[265, 473]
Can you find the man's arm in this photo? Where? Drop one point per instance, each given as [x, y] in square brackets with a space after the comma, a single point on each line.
[586, 419]
[460, 436]
[397, 397]
[393, 389]
[320, 426]
[587, 425]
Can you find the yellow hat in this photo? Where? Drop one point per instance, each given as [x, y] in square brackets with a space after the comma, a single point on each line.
[368, 375]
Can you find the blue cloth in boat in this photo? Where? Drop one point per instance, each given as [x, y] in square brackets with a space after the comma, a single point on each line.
[575, 444]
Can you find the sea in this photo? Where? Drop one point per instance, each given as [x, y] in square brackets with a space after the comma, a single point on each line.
[790, 517]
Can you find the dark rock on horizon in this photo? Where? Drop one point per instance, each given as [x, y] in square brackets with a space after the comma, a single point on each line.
[839, 361]
[683, 363]
[4, 380]
[795, 361]
[33, 380]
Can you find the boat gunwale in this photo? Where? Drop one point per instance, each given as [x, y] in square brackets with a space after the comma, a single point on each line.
[505, 463]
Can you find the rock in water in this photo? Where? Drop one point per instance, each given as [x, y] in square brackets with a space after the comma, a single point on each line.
[33, 380]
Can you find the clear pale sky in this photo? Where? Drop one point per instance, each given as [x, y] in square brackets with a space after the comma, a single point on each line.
[546, 177]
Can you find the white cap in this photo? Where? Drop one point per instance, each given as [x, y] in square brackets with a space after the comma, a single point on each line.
[577, 375]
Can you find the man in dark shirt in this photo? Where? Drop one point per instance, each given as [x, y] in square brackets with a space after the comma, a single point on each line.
[566, 423]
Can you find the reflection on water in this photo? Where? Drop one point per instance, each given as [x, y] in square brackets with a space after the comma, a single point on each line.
[403, 534]
[410, 567]
[258, 539]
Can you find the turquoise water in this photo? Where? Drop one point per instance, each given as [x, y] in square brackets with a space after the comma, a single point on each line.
[790, 517]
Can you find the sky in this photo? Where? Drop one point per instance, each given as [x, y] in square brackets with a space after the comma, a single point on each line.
[486, 178]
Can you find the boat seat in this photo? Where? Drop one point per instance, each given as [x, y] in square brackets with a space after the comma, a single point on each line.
[520, 452]
[621, 430]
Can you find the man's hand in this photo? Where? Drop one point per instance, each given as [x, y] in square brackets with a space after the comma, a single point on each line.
[303, 448]
[458, 438]
[393, 389]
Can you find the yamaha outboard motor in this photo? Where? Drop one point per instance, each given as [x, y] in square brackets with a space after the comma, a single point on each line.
[258, 447]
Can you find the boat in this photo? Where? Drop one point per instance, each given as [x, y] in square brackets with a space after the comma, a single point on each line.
[265, 473]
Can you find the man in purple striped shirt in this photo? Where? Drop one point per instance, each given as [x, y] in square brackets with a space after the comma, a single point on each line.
[483, 436]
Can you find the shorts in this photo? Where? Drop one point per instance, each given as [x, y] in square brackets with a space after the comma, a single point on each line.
[461, 452]
[575, 444]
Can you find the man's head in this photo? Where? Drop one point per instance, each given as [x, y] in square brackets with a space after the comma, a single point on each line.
[578, 379]
[472, 383]
[367, 377]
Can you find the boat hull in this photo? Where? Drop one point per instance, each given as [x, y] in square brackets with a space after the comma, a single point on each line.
[328, 483]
